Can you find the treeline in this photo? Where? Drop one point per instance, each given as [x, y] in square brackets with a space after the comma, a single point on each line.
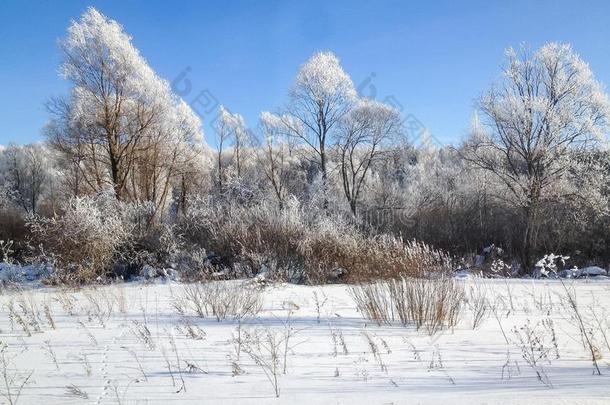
[327, 186]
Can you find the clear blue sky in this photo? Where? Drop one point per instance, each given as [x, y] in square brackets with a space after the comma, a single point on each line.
[435, 58]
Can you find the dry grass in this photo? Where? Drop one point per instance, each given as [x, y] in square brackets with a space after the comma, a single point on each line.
[478, 303]
[374, 302]
[12, 381]
[222, 300]
[426, 303]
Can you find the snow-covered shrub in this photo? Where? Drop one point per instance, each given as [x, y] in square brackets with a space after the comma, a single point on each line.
[15, 273]
[245, 235]
[13, 228]
[158, 244]
[6, 251]
[547, 266]
[320, 247]
[499, 267]
[373, 257]
[328, 244]
[84, 241]
[192, 263]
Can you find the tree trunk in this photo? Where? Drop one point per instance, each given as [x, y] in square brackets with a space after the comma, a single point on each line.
[114, 170]
[528, 246]
[353, 207]
[324, 176]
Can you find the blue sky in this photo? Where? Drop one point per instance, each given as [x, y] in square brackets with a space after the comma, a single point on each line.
[434, 58]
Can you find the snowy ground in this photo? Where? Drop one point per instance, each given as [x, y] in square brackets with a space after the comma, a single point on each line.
[128, 344]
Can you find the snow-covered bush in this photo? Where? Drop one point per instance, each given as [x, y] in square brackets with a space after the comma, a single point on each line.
[85, 240]
[321, 247]
[548, 265]
[15, 273]
[6, 251]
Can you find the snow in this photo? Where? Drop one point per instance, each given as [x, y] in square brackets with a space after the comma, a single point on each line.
[592, 271]
[585, 272]
[16, 273]
[98, 328]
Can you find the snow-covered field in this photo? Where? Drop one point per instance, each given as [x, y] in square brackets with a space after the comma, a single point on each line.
[142, 344]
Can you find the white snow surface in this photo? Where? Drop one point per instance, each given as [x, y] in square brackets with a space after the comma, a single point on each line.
[459, 366]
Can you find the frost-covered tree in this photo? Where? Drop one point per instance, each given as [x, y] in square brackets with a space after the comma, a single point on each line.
[165, 156]
[319, 99]
[547, 104]
[26, 174]
[223, 136]
[121, 127]
[367, 133]
[196, 179]
[231, 131]
[275, 156]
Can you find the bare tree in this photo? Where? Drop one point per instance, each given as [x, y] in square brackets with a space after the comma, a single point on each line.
[547, 105]
[26, 174]
[274, 156]
[223, 133]
[231, 131]
[366, 136]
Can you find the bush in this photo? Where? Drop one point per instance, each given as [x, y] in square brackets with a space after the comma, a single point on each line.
[317, 247]
[13, 228]
[82, 243]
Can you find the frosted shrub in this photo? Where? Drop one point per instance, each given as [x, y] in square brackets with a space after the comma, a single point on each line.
[548, 264]
[6, 251]
[329, 244]
[318, 246]
[247, 236]
[387, 257]
[396, 258]
[83, 242]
